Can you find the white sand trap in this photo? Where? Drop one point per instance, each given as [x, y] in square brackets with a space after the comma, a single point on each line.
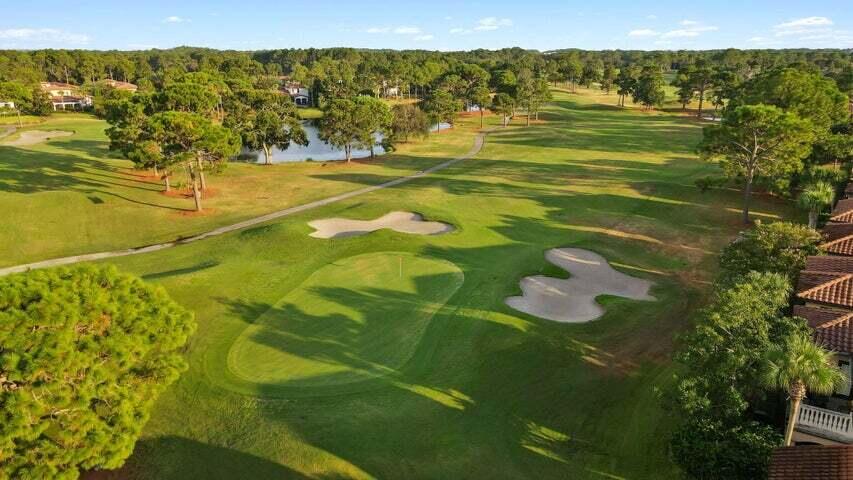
[34, 137]
[573, 300]
[404, 222]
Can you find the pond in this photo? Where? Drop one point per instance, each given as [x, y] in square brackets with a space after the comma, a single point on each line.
[317, 150]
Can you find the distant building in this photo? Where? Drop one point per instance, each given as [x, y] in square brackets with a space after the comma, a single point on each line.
[127, 86]
[301, 96]
[65, 96]
[9, 105]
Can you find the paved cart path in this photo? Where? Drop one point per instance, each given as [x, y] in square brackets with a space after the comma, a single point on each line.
[479, 141]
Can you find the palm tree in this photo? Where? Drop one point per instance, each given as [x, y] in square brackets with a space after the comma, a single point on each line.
[797, 366]
[814, 197]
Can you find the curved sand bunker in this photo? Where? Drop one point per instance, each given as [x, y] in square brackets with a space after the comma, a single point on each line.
[34, 137]
[403, 222]
[573, 300]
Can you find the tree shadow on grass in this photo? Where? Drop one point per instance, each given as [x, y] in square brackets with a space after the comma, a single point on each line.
[181, 458]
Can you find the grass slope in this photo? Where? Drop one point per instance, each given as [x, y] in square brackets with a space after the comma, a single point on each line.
[486, 392]
[72, 195]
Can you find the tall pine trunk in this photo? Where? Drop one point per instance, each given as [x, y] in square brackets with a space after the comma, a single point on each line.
[201, 174]
[196, 192]
[747, 196]
[481, 116]
[166, 184]
[813, 219]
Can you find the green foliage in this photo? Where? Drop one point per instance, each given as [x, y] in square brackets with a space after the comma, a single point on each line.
[189, 97]
[778, 247]
[408, 121]
[649, 89]
[708, 182]
[814, 197]
[807, 94]
[723, 364]
[85, 353]
[263, 120]
[708, 450]
[799, 361]
[503, 104]
[349, 123]
[441, 106]
[757, 142]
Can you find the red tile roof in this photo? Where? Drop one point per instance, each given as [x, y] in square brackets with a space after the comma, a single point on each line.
[829, 263]
[830, 288]
[833, 328]
[841, 246]
[812, 462]
[843, 211]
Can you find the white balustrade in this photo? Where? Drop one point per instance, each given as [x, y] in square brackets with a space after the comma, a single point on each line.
[828, 423]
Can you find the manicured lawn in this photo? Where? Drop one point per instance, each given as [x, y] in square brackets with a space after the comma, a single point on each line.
[322, 359]
[72, 195]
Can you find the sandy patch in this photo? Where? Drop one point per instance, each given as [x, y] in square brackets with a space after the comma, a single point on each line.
[34, 137]
[573, 300]
[403, 222]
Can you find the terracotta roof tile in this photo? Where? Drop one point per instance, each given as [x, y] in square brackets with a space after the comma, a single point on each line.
[833, 328]
[829, 263]
[841, 246]
[843, 211]
[812, 462]
[831, 288]
[834, 231]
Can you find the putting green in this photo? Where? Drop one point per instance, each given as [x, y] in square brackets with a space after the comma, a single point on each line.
[358, 318]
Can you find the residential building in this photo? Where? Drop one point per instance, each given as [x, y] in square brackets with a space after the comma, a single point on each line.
[9, 105]
[121, 85]
[812, 462]
[301, 95]
[65, 96]
[825, 294]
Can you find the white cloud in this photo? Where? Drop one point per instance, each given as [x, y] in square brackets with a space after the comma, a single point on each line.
[688, 23]
[43, 36]
[175, 19]
[458, 30]
[689, 32]
[806, 22]
[378, 30]
[492, 23]
[424, 38]
[643, 32]
[651, 17]
[407, 30]
[448, 17]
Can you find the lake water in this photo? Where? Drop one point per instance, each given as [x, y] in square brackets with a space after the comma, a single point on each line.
[318, 150]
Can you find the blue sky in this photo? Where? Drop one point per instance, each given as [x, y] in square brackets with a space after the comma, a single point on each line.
[429, 24]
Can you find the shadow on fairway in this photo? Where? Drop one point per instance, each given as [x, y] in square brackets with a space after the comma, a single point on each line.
[182, 458]
[29, 171]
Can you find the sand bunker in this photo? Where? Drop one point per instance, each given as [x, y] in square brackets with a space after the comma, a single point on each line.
[404, 222]
[33, 137]
[573, 300]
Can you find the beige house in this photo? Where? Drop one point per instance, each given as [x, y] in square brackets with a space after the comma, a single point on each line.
[65, 96]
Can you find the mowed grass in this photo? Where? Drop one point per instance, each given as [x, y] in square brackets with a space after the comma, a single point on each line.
[72, 195]
[379, 304]
[476, 390]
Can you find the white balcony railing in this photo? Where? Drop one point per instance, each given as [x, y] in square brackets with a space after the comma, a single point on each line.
[826, 423]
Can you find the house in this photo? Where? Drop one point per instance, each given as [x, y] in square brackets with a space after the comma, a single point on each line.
[65, 96]
[301, 96]
[127, 86]
[825, 294]
[811, 462]
[9, 105]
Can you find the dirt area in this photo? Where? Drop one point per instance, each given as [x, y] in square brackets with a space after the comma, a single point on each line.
[34, 137]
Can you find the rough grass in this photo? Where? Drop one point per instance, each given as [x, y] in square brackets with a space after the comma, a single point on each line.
[72, 195]
[486, 392]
